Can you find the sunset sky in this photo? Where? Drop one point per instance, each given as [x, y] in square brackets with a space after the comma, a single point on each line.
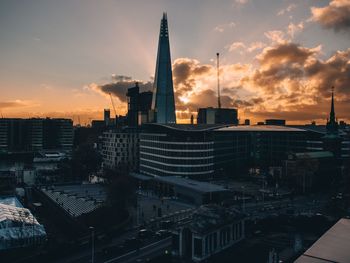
[279, 58]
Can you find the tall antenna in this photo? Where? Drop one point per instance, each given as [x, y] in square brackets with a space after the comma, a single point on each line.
[218, 76]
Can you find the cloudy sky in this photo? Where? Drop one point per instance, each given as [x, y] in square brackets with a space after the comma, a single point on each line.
[279, 58]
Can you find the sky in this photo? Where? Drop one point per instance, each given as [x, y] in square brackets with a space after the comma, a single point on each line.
[278, 58]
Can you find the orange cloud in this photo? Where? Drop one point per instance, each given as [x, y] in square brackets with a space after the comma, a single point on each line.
[336, 15]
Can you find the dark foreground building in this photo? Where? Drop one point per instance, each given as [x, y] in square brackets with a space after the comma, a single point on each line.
[211, 230]
[333, 246]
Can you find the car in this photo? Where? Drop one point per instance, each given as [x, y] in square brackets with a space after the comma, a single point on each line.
[163, 233]
[132, 243]
[166, 224]
[145, 233]
[113, 250]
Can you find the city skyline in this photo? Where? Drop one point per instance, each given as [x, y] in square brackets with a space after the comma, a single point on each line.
[278, 60]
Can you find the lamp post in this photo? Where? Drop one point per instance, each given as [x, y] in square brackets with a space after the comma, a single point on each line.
[243, 188]
[92, 243]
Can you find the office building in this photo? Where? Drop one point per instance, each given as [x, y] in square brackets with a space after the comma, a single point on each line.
[120, 150]
[309, 171]
[217, 116]
[177, 149]
[107, 117]
[139, 106]
[35, 134]
[205, 151]
[163, 103]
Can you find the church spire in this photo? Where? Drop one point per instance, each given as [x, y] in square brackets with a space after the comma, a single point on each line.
[332, 124]
[332, 113]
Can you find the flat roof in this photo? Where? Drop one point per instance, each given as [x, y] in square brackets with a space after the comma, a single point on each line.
[11, 200]
[333, 246]
[320, 154]
[260, 128]
[141, 177]
[198, 186]
[189, 127]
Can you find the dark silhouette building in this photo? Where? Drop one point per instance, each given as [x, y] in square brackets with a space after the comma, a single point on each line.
[279, 122]
[35, 134]
[217, 116]
[139, 105]
[107, 117]
[163, 103]
[332, 141]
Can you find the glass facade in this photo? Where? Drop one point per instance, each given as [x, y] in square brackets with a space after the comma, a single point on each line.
[161, 155]
[163, 102]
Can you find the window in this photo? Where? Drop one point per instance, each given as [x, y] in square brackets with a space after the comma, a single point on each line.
[198, 247]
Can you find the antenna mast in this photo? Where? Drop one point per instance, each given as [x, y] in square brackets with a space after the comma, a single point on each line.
[218, 76]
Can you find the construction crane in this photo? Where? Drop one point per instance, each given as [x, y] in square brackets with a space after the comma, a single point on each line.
[115, 113]
[218, 79]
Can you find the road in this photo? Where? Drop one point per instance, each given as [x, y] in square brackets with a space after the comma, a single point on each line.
[149, 251]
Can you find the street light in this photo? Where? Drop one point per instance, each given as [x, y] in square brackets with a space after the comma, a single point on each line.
[92, 243]
[243, 198]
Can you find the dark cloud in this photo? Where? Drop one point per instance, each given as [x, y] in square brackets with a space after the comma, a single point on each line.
[121, 78]
[336, 15]
[285, 53]
[295, 64]
[120, 86]
[185, 71]
[333, 72]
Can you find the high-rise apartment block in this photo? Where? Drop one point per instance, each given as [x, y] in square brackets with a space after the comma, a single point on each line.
[18, 135]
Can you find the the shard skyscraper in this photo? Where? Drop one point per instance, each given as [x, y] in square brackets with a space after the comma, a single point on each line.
[163, 103]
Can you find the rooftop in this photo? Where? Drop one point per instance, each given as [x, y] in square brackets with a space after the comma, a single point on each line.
[209, 217]
[76, 199]
[333, 246]
[261, 128]
[10, 200]
[320, 154]
[188, 127]
[17, 223]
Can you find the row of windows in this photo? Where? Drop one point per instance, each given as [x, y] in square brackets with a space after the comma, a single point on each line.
[177, 146]
[181, 161]
[177, 153]
[152, 170]
[177, 167]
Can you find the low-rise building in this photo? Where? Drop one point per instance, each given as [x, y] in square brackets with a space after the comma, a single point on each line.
[18, 226]
[211, 230]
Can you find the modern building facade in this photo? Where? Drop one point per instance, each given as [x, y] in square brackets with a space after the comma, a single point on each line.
[163, 103]
[181, 150]
[120, 150]
[211, 230]
[205, 151]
